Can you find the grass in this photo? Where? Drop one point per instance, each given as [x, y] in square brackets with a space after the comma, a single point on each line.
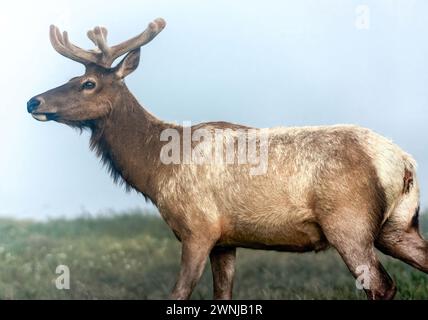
[135, 256]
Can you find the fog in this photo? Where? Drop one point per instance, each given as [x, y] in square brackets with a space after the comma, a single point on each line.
[290, 63]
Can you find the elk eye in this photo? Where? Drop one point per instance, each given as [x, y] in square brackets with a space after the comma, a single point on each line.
[88, 85]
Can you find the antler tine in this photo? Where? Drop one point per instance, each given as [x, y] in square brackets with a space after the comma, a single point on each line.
[99, 37]
[91, 36]
[64, 47]
[56, 40]
[143, 38]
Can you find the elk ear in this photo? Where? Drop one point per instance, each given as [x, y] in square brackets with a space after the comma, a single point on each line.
[128, 64]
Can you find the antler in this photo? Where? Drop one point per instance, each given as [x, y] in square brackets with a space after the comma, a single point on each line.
[103, 55]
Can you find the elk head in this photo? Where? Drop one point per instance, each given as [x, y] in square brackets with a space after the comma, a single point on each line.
[91, 96]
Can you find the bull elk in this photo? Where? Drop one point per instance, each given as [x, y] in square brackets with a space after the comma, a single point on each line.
[341, 186]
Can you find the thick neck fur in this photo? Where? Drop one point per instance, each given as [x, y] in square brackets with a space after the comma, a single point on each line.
[127, 140]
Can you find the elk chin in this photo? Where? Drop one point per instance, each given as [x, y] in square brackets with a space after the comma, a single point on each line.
[43, 116]
[40, 117]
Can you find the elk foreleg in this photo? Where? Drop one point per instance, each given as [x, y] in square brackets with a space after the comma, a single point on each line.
[223, 269]
[194, 254]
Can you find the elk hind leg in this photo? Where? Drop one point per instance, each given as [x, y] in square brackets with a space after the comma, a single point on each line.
[351, 234]
[401, 239]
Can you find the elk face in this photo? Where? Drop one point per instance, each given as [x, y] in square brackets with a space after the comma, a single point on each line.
[91, 96]
[84, 98]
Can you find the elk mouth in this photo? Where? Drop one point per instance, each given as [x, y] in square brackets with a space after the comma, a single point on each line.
[44, 116]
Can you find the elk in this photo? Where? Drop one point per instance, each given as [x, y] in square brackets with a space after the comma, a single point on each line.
[339, 186]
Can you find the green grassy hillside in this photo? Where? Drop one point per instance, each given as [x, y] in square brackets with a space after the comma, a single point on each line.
[135, 256]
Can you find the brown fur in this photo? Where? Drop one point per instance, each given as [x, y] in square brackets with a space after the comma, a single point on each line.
[407, 181]
[340, 186]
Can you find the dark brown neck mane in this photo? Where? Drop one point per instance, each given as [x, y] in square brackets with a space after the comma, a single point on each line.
[127, 141]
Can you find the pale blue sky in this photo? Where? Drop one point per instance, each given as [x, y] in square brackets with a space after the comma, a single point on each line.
[261, 63]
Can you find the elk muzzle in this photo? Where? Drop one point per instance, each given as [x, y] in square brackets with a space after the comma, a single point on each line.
[33, 104]
[34, 108]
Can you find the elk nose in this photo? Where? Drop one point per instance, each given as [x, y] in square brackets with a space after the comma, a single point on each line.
[32, 104]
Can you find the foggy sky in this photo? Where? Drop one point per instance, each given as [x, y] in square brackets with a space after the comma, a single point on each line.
[288, 63]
